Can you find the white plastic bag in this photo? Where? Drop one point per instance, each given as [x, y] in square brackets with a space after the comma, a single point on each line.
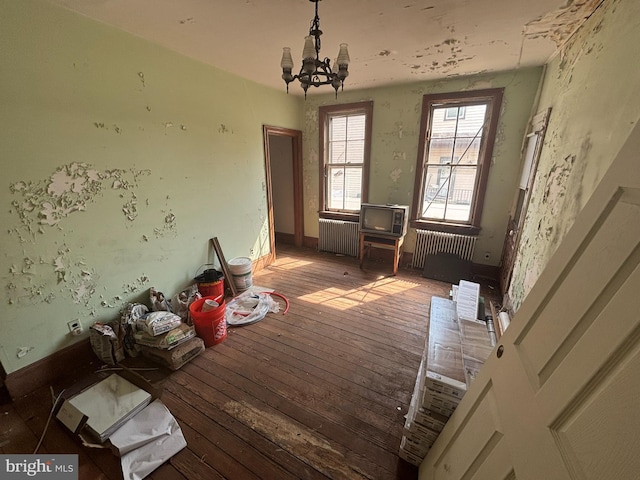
[248, 309]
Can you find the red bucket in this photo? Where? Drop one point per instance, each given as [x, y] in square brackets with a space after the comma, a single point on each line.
[210, 325]
[211, 289]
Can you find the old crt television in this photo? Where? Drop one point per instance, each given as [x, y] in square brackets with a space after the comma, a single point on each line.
[388, 220]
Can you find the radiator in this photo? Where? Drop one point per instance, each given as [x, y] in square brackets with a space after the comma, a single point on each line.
[428, 242]
[338, 236]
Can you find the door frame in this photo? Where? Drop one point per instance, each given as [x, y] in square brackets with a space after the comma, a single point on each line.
[298, 214]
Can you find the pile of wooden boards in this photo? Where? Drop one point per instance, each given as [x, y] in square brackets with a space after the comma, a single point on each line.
[455, 350]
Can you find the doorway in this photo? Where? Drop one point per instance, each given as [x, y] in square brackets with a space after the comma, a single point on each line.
[283, 167]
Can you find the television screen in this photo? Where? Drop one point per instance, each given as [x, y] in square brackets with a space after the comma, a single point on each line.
[378, 219]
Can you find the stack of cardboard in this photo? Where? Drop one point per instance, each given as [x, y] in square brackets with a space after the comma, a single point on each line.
[455, 350]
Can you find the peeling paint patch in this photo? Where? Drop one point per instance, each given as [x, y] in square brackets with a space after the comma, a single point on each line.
[395, 175]
[184, 21]
[399, 156]
[45, 204]
[168, 227]
[130, 209]
[225, 129]
[141, 77]
[69, 189]
[137, 285]
[559, 25]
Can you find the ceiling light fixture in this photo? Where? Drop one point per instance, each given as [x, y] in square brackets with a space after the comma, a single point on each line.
[314, 71]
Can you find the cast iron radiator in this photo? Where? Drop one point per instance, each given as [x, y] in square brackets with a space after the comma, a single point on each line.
[429, 242]
[338, 236]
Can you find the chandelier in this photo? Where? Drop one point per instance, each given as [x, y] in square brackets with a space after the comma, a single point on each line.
[316, 72]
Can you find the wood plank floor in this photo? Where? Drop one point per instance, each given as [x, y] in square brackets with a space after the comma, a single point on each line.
[318, 393]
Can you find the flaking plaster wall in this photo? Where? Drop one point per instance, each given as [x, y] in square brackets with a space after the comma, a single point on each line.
[592, 88]
[394, 148]
[120, 160]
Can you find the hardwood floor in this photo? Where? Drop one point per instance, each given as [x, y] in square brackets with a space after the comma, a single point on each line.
[320, 392]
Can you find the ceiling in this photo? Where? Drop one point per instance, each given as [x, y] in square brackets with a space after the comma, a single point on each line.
[390, 41]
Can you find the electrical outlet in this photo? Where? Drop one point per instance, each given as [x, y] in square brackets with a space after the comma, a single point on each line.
[75, 327]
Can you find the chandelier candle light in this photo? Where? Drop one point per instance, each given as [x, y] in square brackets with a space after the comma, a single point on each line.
[314, 71]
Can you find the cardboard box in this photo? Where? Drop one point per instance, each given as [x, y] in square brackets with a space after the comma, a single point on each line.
[445, 385]
[420, 434]
[438, 402]
[433, 420]
[444, 352]
[408, 456]
[415, 447]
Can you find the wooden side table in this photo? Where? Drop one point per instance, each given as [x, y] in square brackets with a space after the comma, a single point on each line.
[380, 241]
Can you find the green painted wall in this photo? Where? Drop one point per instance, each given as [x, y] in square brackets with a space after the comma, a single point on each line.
[394, 149]
[592, 88]
[120, 160]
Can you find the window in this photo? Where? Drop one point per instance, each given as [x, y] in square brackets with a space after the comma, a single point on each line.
[345, 145]
[454, 112]
[456, 143]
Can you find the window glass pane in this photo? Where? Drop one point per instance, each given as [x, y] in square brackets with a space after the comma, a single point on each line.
[337, 129]
[335, 188]
[356, 127]
[353, 188]
[344, 188]
[473, 121]
[439, 148]
[452, 113]
[337, 153]
[467, 151]
[449, 193]
[440, 126]
[355, 151]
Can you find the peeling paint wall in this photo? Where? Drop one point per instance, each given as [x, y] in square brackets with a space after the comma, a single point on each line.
[592, 87]
[120, 160]
[394, 148]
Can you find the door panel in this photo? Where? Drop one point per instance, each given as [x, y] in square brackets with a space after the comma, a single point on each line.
[605, 256]
[560, 402]
[481, 439]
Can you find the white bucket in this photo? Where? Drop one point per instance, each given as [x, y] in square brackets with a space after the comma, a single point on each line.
[240, 268]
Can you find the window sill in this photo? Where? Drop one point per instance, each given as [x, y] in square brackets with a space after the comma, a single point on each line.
[446, 227]
[347, 217]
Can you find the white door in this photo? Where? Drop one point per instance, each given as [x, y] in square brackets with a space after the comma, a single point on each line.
[563, 399]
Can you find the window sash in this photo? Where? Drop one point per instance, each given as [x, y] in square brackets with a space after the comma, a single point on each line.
[458, 132]
[345, 147]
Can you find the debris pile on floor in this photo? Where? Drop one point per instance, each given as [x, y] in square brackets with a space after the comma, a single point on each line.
[163, 333]
[121, 412]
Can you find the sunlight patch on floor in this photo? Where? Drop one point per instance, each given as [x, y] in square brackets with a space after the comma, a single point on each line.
[286, 263]
[344, 299]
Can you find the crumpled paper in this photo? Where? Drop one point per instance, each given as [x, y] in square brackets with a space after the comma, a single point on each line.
[148, 440]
